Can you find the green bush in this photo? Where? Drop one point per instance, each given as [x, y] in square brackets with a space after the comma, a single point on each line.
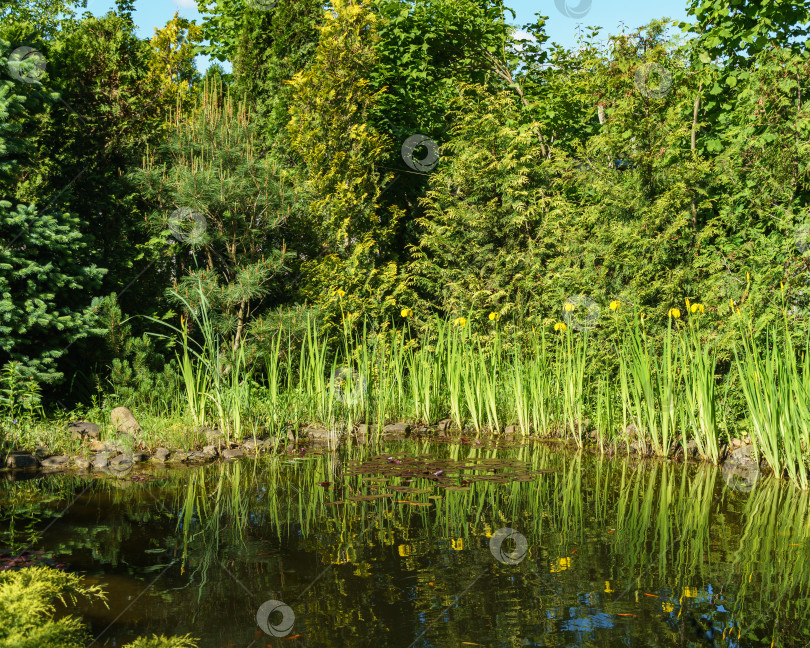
[27, 609]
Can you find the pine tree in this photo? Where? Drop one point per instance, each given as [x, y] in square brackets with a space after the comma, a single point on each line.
[229, 209]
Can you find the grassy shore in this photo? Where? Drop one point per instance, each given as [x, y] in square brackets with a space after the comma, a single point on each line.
[654, 396]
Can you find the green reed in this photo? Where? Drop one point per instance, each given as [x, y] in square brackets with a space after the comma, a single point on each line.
[666, 391]
[571, 361]
[650, 388]
[699, 365]
[543, 398]
[775, 393]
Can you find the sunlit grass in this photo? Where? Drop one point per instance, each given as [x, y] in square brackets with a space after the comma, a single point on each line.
[660, 393]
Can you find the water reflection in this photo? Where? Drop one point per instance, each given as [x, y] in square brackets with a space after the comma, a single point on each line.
[392, 547]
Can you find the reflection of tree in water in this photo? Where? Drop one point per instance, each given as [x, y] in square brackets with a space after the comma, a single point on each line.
[658, 554]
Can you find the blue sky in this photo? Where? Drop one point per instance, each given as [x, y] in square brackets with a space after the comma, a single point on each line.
[562, 28]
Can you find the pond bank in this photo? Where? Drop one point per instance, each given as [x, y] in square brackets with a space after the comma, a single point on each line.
[119, 451]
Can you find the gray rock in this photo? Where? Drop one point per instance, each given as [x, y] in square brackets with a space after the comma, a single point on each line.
[81, 463]
[140, 457]
[161, 455]
[319, 435]
[124, 421]
[445, 424]
[41, 452]
[179, 456]
[100, 461]
[121, 462]
[250, 445]
[509, 430]
[59, 461]
[21, 460]
[328, 438]
[233, 453]
[397, 428]
[736, 443]
[212, 435]
[692, 448]
[361, 436]
[211, 450]
[199, 457]
[83, 430]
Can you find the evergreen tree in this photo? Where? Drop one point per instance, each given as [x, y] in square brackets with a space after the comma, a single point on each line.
[230, 210]
[45, 283]
[342, 152]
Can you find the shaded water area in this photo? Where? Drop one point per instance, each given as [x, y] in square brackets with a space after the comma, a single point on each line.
[408, 544]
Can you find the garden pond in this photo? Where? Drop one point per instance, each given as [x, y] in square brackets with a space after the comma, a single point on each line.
[423, 544]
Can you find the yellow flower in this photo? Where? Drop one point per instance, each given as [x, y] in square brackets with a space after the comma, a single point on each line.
[748, 277]
[615, 305]
[406, 312]
[460, 321]
[690, 592]
[674, 312]
[404, 550]
[608, 588]
[568, 307]
[687, 302]
[340, 292]
[559, 326]
[697, 307]
[494, 317]
[561, 564]
[458, 545]
[667, 606]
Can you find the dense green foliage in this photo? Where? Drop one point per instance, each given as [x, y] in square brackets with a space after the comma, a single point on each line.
[651, 168]
[45, 283]
[27, 609]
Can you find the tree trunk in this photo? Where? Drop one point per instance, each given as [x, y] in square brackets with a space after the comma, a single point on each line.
[694, 146]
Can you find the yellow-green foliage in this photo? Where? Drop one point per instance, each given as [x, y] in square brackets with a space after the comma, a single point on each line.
[330, 129]
[171, 63]
[27, 606]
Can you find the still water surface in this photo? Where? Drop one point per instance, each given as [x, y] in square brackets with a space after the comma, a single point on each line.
[426, 544]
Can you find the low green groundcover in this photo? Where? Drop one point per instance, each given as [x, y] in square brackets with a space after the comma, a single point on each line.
[27, 600]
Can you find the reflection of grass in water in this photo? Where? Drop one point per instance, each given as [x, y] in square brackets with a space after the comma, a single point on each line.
[26, 505]
[772, 565]
[670, 536]
[650, 509]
